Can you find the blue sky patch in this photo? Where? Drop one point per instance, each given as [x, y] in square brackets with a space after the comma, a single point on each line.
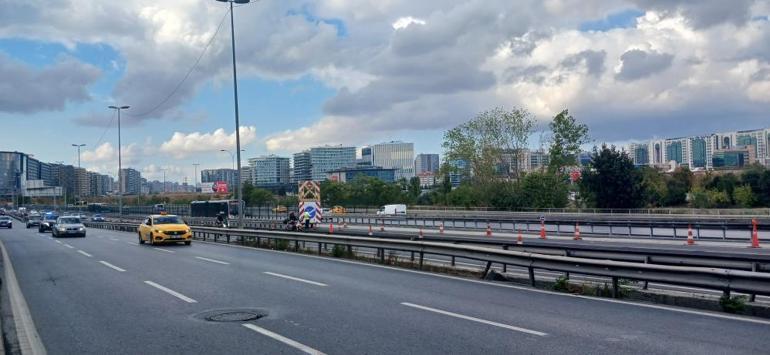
[622, 19]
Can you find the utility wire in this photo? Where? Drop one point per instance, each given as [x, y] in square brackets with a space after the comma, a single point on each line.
[106, 129]
[187, 75]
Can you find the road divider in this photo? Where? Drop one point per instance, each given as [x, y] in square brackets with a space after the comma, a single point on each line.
[171, 292]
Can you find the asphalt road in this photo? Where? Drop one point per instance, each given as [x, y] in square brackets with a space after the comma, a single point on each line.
[83, 302]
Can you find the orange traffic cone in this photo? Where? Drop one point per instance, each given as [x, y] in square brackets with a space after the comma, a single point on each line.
[344, 224]
[382, 227]
[489, 230]
[519, 239]
[331, 228]
[690, 240]
[441, 228]
[754, 235]
[420, 233]
[542, 230]
[370, 230]
[577, 232]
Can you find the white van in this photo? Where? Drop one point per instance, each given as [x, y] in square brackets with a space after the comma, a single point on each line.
[392, 210]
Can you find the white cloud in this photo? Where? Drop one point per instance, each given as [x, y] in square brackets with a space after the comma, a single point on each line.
[182, 145]
[405, 22]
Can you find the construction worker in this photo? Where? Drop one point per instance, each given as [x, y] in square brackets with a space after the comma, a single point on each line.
[306, 219]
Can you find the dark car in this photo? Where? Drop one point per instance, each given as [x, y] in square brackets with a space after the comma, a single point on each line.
[97, 218]
[6, 222]
[49, 219]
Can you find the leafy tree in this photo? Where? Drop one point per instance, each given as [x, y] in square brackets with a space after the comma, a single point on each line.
[758, 178]
[485, 139]
[414, 187]
[610, 180]
[464, 196]
[334, 193]
[678, 187]
[653, 185]
[567, 135]
[744, 197]
[544, 190]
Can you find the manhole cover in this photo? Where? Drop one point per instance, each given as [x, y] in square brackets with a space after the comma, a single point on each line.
[232, 315]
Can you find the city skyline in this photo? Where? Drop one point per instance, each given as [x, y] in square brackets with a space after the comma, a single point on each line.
[365, 74]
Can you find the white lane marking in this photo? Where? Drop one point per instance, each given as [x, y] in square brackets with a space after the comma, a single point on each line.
[58, 241]
[84, 253]
[171, 292]
[26, 332]
[161, 249]
[474, 319]
[212, 260]
[132, 243]
[114, 239]
[521, 288]
[69, 246]
[111, 266]
[299, 346]
[296, 279]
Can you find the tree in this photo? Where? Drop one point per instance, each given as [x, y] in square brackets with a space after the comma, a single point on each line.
[653, 185]
[544, 190]
[610, 180]
[415, 189]
[678, 187]
[744, 197]
[483, 141]
[758, 178]
[567, 135]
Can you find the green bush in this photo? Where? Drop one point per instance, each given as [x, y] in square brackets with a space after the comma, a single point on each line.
[339, 251]
[281, 244]
[561, 284]
[733, 304]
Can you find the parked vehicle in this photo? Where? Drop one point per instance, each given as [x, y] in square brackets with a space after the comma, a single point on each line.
[392, 210]
[6, 222]
[68, 226]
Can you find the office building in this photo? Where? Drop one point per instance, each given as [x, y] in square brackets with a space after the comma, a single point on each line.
[348, 174]
[269, 170]
[214, 175]
[131, 182]
[101, 185]
[394, 155]
[247, 174]
[328, 158]
[427, 179]
[303, 169]
[11, 173]
[459, 171]
[82, 183]
[426, 163]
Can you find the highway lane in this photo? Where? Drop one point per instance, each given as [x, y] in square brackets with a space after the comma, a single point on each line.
[81, 305]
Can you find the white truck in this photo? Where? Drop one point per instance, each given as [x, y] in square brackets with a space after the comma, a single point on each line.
[392, 210]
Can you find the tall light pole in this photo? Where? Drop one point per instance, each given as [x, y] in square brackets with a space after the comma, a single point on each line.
[120, 163]
[78, 146]
[164, 180]
[77, 180]
[232, 157]
[195, 177]
[239, 190]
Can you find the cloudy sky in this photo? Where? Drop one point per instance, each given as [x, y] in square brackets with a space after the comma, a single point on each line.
[365, 71]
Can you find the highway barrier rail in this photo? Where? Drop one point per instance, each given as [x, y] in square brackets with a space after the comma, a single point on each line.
[724, 278]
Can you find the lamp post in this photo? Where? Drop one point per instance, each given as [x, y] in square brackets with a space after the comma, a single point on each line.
[239, 190]
[232, 156]
[77, 180]
[120, 163]
[195, 177]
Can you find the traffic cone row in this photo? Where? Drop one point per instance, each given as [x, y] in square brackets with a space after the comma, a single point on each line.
[690, 240]
[754, 234]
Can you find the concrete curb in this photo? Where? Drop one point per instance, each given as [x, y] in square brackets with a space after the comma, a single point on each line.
[26, 333]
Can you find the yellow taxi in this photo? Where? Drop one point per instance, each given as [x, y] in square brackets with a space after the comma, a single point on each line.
[338, 210]
[164, 228]
[280, 209]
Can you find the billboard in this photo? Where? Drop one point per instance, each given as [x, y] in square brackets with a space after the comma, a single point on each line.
[218, 187]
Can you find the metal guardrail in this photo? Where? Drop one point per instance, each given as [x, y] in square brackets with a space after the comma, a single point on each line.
[726, 280]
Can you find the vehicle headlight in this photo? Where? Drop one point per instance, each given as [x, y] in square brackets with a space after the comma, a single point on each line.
[81, 229]
[62, 229]
[158, 231]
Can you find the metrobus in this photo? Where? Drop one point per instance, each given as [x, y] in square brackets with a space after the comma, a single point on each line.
[212, 208]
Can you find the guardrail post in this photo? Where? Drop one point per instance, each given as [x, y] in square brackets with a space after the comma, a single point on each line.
[486, 270]
[615, 288]
[558, 228]
[610, 229]
[651, 231]
[453, 260]
[531, 275]
[505, 266]
[724, 231]
[319, 249]
[674, 231]
[754, 267]
[629, 229]
[382, 255]
[646, 261]
[228, 238]
[697, 231]
[422, 254]
[412, 257]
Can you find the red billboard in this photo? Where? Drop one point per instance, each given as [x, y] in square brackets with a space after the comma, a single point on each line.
[220, 187]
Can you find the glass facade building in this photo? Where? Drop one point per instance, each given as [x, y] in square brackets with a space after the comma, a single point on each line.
[302, 169]
[394, 155]
[699, 153]
[426, 163]
[269, 170]
[328, 158]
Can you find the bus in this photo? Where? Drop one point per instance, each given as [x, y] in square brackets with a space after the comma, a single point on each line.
[212, 208]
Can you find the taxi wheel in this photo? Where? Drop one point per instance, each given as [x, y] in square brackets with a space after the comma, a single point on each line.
[188, 242]
[152, 242]
[141, 241]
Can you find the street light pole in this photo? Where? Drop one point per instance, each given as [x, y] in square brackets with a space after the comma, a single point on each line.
[195, 177]
[239, 190]
[232, 157]
[77, 180]
[120, 163]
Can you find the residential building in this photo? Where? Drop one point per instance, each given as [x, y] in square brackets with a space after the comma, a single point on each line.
[731, 159]
[538, 159]
[303, 168]
[350, 173]
[214, 175]
[100, 184]
[328, 158]
[82, 183]
[426, 163]
[394, 155]
[270, 170]
[427, 179]
[131, 182]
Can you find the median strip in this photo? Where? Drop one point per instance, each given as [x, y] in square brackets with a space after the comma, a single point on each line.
[212, 260]
[171, 292]
[84, 253]
[299, 346]
[474, 319]
[296, 279]
[112, 266]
